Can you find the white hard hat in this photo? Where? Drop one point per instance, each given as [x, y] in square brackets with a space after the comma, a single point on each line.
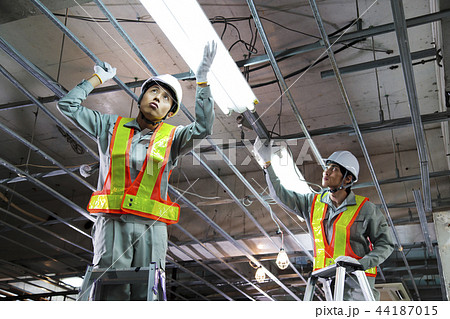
[346, 160]
[166, 80]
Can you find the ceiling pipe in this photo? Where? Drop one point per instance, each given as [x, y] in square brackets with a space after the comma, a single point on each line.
[422, 219]
[50, 84]
[80, 44]
[235, 243]
[43, 209]
[223, 261]
[408, 74]
[346, 99]
[46, 156]
[282, 82]
[198, 261]
[48, 189]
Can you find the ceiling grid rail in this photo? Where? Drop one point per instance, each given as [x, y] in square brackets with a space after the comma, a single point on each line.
[347, 103]
[408, 74]
[43, 78]
[282, 82]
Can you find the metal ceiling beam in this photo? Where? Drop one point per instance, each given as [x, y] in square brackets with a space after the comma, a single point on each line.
[45, 156]
[423, 219]
[184, 251]
[349, 36]
[235, 243]
[346, 99]
[47, 188]
[220, 292]
[379, 63]
[408, 74]
[44, 78]
[44, 210]
[282, 82]
[222, 261]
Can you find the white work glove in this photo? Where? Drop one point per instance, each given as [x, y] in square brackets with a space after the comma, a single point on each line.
[347, 259]
[208, 57]
[104, 74]
[262, 153]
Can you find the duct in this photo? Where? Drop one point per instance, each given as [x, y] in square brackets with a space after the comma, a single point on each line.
[72, 37]
[209, 269]
[283, 84]
[242, 248]
[222, 261]
[171, 260]
[423, 219]
[48, 189]
[349, 36]
[379, 63]
[45, 79]
[358, 132]
[44, 155]
[45, 210]
[44, 230]
[408, 73]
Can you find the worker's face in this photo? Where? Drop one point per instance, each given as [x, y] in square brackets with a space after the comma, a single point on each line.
[156, 102]
[332, 176]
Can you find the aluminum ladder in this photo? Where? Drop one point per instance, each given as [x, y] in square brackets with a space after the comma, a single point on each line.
[338, 270]
[98, 277]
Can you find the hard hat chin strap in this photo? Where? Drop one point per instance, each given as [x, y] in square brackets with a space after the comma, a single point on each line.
[151, 122]
[334, 190]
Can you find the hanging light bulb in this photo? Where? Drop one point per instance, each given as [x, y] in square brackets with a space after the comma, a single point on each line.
[260, 275]
[282, 259]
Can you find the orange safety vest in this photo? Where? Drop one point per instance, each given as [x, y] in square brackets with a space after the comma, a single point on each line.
[325, 253]
[142, 197]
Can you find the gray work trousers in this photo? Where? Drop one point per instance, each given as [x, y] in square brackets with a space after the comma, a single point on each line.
[125, 243]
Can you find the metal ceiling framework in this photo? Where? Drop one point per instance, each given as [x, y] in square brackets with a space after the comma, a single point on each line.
[400, 25]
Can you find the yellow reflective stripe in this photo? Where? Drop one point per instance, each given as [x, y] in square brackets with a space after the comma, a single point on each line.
[118, 157]
[105, 202]
[151, 207]
[319, 258]
[155, 162]
[340, 233]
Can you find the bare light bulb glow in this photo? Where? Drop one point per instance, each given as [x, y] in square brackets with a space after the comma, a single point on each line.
[260, 275]
[290, 177]
[282, 259]
[188, 29]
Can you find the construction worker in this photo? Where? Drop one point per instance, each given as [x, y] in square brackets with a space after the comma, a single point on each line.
[136, 158]
[343, 226]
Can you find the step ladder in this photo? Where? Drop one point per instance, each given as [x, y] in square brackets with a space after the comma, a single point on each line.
[98, 277]
[338, 270]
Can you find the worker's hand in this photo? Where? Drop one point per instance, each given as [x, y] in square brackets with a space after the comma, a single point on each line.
[208, 57]
[347, 259]
[106, 73]
[262, 153]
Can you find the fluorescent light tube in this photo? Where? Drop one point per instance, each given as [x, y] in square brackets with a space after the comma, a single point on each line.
[188, 29]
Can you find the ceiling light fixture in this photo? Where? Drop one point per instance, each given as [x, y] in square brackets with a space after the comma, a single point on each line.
[282, 258]
[260, 275]
[287, 171]
[188, 29]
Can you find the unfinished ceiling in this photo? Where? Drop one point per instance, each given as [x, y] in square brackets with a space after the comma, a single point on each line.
[399, 133]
